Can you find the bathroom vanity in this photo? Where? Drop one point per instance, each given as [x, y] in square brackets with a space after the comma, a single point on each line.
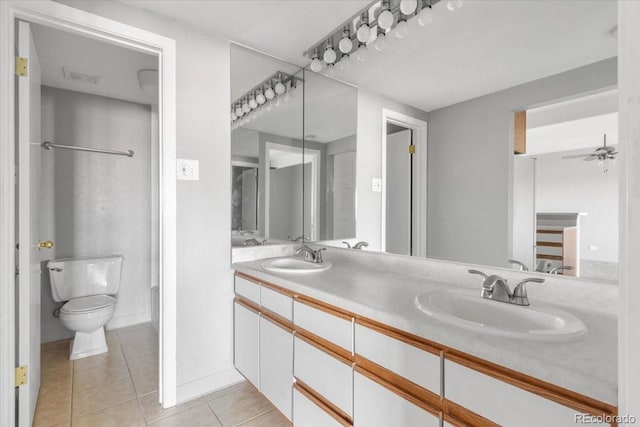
[348, 346]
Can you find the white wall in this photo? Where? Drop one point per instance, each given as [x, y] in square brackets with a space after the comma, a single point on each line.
[524, 219]
[204, 277]
[471, 160]
[577, 186]
[369, 162]
[98, 204]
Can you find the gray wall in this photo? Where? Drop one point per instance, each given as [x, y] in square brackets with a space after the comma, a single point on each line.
[286, 192]
[98, 204]
[470, 164]
[205, 279]
[369, 161]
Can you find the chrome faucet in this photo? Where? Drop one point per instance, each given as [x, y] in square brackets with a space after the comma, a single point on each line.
[358, 245]
[310, 254]
[519, 264]
[496, 288]
[562, 267]
[298, 239]
[252, 242]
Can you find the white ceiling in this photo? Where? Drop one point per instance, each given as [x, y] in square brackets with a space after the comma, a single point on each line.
[117, 67]
[484, 47]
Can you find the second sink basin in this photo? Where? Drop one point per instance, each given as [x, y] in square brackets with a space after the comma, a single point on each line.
[294, 265]
[466, 309]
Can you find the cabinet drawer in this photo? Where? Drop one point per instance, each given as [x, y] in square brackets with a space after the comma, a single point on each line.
[333, 328]
[276, 302]
[308, 413]
[324, 373]
[412, 363]
[248, 289]
[276, 365]
[376, 406]
[501, 402]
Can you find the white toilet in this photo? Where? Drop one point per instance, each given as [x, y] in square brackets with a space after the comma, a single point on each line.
[89, 285]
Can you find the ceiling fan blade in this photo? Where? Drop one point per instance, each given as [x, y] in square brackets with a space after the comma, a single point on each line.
[576, 156]
[590, 158]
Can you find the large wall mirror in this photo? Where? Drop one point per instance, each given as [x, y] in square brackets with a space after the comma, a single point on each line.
[293, 153]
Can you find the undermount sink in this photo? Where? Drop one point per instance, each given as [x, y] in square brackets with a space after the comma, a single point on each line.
[467, 309]
[294, 265]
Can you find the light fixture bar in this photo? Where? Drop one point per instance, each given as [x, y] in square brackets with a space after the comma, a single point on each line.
[372, 10]
[277, 76]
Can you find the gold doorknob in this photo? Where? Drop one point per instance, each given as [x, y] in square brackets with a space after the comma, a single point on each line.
[48, 244]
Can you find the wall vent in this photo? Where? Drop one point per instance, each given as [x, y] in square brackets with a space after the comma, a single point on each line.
[80, 77]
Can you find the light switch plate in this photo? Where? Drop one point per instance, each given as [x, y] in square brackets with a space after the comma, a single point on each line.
[376, 185]
[187, 170]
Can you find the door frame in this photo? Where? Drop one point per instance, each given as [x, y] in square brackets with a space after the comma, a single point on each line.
[420, 184]
[85, 24]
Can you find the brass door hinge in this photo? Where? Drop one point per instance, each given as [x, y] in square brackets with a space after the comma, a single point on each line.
[412, 149]
[22, 66]
[21, 375]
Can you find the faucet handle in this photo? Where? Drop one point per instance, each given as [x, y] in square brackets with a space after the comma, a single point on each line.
[522, 266]
[317, 255]
[520, 291]
[348, 245]
[480, 273]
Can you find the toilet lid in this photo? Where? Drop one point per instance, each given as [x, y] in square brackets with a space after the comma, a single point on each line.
[84, 304]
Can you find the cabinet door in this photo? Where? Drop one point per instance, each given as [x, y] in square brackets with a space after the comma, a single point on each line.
[501, 402]
[276, 365]
[246, 354]
[308, 413]
[376, 406]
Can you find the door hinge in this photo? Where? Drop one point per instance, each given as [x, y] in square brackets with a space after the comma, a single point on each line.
[412, 149]
[22, 66]
[21, 375]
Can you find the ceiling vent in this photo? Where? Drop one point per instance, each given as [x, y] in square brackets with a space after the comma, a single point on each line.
[80, 77]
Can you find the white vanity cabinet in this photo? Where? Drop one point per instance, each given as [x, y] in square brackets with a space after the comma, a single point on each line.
[246, 342]
[276, 364]
[311, 412]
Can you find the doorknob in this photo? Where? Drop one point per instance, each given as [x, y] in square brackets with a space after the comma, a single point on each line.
[47, 244]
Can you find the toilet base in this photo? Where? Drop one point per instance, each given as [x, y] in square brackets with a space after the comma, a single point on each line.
[85, 345]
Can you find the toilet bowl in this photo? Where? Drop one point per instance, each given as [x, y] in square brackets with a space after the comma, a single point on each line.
[88, 285]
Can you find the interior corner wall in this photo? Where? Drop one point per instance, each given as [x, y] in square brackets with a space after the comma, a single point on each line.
[470, 169]
[369, 162]
[204, 277]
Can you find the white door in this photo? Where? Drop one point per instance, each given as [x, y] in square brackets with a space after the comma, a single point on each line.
[398, 193]
[28, 256]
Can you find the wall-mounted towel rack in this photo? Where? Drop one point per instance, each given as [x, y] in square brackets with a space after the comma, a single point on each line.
[48, 145]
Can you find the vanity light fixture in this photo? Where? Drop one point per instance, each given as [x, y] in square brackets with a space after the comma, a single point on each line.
[278, 87]
[378, 18]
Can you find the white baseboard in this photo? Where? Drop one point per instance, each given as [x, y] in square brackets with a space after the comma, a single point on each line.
[197, 388]
[118, 322]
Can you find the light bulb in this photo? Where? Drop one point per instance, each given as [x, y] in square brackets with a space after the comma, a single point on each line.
[253, 103]
[330, 70]
[316, 65]
[361, 53]
[329, 55]
[454, 5]
[381, 41]
[385, 19]
[269, 93]
[286, 97]
[364, 32]
[407, 7]
[269, 106]
[402, 29]
[425, 16]
[345, 44]
[245, 107]
[239, 112]
[260, 99]
[280, 88]
[278, 101]
[345, 63]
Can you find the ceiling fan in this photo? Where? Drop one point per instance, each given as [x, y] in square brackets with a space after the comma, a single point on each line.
[601, 153]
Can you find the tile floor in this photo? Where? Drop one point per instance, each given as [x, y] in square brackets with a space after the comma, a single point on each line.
[120, 388]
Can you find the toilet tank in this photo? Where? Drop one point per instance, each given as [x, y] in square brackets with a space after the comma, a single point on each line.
[81, 277]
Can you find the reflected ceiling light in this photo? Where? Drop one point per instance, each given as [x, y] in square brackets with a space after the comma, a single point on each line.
[407, 7]
[454, 5]
[330, 70]
[402, 29]
[381, 40]
[381, 16]
[262, 97]
[345, 44]
[364, 32]
[425, 16]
